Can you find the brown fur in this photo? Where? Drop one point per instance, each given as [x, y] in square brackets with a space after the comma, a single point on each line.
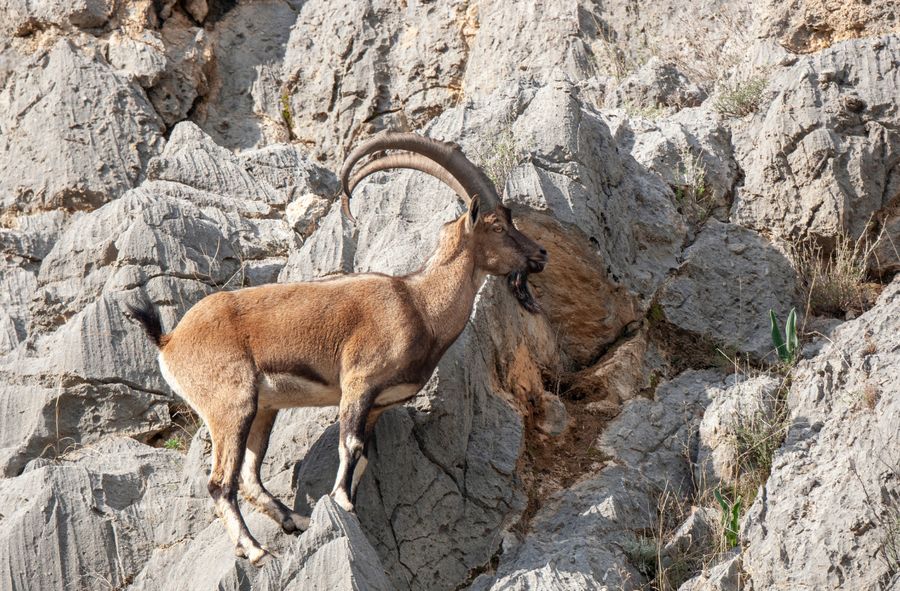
[237, 357]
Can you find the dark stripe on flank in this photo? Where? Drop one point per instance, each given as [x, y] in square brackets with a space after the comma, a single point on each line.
[300, 370]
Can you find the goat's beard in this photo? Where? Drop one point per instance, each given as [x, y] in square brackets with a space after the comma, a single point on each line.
[518, 285]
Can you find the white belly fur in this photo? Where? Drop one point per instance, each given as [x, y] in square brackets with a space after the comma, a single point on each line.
[396, 394]
[282, 390]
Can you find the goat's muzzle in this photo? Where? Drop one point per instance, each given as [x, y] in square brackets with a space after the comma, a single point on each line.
[537, 262]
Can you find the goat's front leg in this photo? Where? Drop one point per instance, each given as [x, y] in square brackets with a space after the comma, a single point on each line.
[360, 469]
[356, 402]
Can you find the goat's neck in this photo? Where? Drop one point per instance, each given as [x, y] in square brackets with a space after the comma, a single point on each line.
[446, 287]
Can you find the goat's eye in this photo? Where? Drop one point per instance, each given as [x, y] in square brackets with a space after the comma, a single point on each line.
[498, 228]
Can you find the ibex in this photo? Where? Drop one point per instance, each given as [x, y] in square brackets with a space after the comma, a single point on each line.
[366, 342]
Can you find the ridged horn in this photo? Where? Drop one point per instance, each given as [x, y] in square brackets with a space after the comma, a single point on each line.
[441, 160]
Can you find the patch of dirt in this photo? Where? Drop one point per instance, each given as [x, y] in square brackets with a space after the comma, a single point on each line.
[551, 464]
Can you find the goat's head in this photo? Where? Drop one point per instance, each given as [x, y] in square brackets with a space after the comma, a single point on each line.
[499, 247]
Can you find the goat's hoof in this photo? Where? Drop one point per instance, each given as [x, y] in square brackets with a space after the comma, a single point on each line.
[295, 524]
[340, 497]
[240, 552]
[258, 556]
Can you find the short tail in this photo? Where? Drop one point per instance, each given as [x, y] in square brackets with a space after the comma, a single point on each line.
[147, 315]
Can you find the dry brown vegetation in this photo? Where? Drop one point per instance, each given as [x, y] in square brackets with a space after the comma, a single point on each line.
[836, 282]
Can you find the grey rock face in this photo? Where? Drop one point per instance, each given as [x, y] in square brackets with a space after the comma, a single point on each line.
[90, 520]
[375, 69]
[576, 172]
[509, 42]
[656, 84]
[141, 58]
[62, 96]
[90, 370]
[812, 25]
[742, 400]
[690, 150]
[245, 108]
[577, 538]
[821, 156]
[841, 452]
[186, 77]
[730, 279]
[332, 554]
[725, 576]
[23, 17]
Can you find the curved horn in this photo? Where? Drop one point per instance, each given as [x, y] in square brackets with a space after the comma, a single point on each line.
[412, 161]
[445, 159]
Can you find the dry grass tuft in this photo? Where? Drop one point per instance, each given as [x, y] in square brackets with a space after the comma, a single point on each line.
[756, 434]
[498, 153]
[692, 192]
[835, 283]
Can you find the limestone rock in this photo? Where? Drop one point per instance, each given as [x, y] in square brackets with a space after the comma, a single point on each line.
[531, 43]
[840, 451]
[656, 84]
[304, 213]
[387, 65]
[577, 538]
[53, 105]
[332, 554]
[619, 375]
[141, 58]
[813, 25]
[690, 150]
[697, 531]
[186, 78]
[192, 158]
[741, 401]
[725, 576]
[83, 370]
[24, 17]
[288, 170]
[820, 158]
[730, 278]
[246, 104]
[95, 515]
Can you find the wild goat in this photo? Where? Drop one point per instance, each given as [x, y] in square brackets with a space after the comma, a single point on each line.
[365, 342]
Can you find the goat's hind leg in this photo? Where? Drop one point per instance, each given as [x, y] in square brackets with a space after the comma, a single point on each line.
[229, 429]
[251, 484]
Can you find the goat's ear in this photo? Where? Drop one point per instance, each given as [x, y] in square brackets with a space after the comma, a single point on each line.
[474, 206]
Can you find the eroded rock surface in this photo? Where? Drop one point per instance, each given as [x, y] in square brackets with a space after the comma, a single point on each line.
[66, 98]
[841, 451]
[165, 150]
[822, 155]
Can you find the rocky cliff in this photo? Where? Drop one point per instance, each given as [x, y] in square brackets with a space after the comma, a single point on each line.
[689, 166]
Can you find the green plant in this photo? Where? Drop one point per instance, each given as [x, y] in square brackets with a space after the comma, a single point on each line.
[646, 112]
[740, 98]
[787, 345]
[173, 443]
[731, 516]
[286, 114]
[642, 551]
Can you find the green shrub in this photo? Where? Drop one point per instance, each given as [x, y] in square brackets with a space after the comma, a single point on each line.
[731, 518]
[740, 98]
